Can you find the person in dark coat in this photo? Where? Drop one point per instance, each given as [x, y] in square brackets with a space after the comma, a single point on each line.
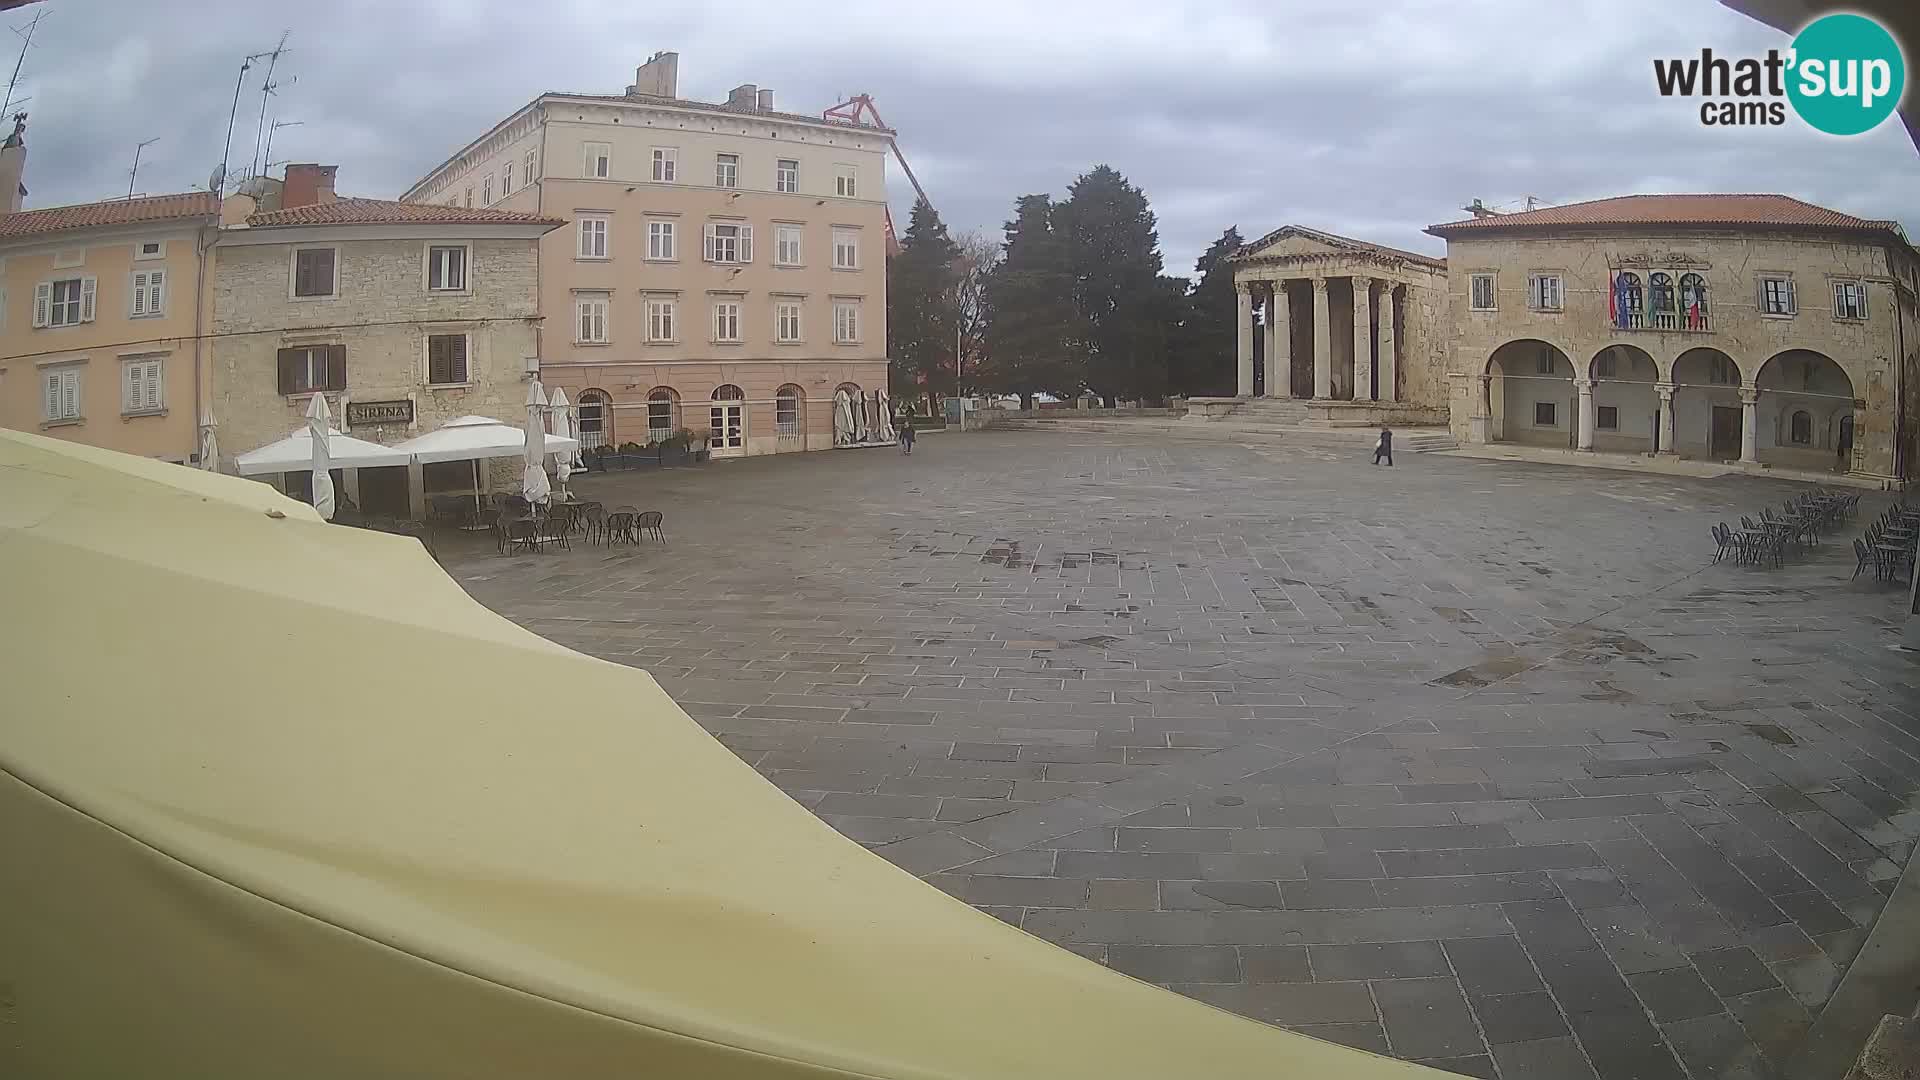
[1385, 447]
[904, 427]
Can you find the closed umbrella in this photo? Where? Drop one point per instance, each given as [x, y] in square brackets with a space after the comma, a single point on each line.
[534, 484]
[318, 428]
[563, 462]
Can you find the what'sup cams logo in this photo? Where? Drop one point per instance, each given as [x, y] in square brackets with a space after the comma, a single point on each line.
[1843, 75]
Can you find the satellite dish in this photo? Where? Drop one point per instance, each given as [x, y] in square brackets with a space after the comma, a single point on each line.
[217, 178]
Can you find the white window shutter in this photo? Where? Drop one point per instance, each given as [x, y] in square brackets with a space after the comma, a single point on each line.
[710, 241]
[746, 243]
[139, 294]
[53, 395]
[86, 299]
[42, 302]
[131, 397]
[156, 290]
[153, 384]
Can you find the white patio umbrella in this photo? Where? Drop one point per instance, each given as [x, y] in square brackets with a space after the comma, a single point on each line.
[477, 438]
[842, 417]
[534, 481]
[318, 428]
[563, 464]
[295, 452]
[209, 449]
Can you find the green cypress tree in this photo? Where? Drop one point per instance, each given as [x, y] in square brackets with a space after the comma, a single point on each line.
[1113, 253]
[1031, 339]
[1203, 355]
[920, 307]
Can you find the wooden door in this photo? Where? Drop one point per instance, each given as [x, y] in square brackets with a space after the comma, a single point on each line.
[1725, 441]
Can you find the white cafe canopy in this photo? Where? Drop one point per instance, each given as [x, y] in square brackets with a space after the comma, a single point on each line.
[476, 437]
[295, 454]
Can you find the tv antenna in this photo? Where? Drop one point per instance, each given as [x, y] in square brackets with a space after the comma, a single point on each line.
[133, 174]
[217, 183]
[267, 161]
[267, 87]
[26, 43]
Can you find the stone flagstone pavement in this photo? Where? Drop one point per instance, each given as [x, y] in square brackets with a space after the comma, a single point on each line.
[1474, 763]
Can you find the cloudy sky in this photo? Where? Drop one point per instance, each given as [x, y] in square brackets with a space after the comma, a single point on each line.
[1372, 120]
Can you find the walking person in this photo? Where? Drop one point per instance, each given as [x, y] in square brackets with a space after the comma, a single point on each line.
[1384, 449]
[904, 425]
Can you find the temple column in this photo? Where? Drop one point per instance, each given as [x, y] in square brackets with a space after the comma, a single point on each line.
[1583, 440]
[1322, 342]
[1243, 295]
[1749, 421]
[1389, 344]
[1665, 390]
[1362, 339]
[1279, 343]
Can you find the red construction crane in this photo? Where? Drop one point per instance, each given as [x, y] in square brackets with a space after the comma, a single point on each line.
[859, 110]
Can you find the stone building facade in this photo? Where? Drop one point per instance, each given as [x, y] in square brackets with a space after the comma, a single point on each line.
[403, 316]
[724, 268]
[1751, 328]
[1354, 330]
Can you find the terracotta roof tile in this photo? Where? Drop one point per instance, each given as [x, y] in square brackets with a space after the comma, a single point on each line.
[153, 208]
[389, 212]
[1724, 211]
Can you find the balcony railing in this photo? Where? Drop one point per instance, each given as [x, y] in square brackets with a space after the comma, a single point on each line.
[1669, 322]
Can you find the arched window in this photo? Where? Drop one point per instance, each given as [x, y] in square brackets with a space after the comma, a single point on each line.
[1693, 301]
[1801, 428]
[662, 405]
[729, 392]
[786, 410]
[596, 419]
[1628, 300]
[1660, 301]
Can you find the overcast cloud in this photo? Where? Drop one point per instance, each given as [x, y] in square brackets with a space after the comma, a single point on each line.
[1369, 120]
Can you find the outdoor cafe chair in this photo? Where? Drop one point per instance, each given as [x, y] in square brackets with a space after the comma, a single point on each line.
[620, 527]
[554, 529]
[593, 517]
[522, 534]
[649, 522]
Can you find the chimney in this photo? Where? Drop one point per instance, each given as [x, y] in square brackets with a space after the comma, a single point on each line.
[658, 77]
[766, 101]
[13, 165]
[307, 185]
[744, 96]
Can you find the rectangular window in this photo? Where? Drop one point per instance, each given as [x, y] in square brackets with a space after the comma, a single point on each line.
[1603, 366]
[599, 161]
[659, 418]
[526, 167]
[469, 197]
[593, 238]
[660, 315]
[62, 395]
[506, 179]
[147, 294]
[786, 245]
[1721, 372]
[1543, 364]
[1481, 292]
[140, 383]
[786, 322]
[729, 243]
[666, 164]
[786, 175]
[1543, 414]
[846, 181]
[786, 414]
[150, 249]
[726, 170]
[846, 249]
[313, 272]
[447, 360]
[66, 302]
[846, 322]
[486, 192]
[1543, 292]
[1607, 417]
[726, 321]
[590, 319]
[660, 240]
[1776, 296]
[306, 369]
[1849, 300]
[447, 268]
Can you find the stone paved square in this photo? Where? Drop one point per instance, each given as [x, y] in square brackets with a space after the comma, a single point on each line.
[1480, 763]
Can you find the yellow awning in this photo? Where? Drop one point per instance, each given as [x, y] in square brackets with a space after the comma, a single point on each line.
[277, 799]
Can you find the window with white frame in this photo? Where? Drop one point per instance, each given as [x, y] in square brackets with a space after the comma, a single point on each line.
[447, 360]
[147, 294]
[590, 318]
[593, 238]
[1776, 295]
[313, 272]
[726, 170]
[1849, 300]
[660, 320]
[666, 164]
[150, 249]
[726, 320]
[141, 381]
[729, 243]
[1543, 292]
[846, 249]
[786, 411]
[660, 240]
[61, 397]
[63, 302]
[506, 179]
[527, 166]
[846, 181]
[1480, 292]
[446, 268]
[786, 322]
[846, 321]
[786, 175]
[486, 192]
[660, 408]
[469, 197]
[599, 161]
[786, 245]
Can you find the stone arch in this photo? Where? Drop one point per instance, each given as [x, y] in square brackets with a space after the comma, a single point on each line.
[1707, 385]
[1626, 409]
[1529, 394]
[1805, 383]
